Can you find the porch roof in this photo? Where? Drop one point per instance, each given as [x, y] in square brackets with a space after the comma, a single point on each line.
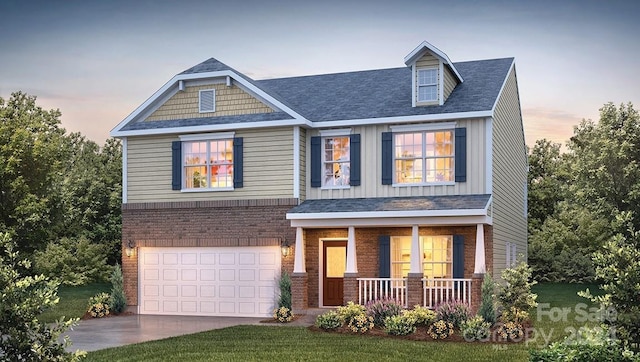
[447, 209]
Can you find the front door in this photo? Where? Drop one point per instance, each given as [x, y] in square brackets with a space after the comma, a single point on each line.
[335, 263]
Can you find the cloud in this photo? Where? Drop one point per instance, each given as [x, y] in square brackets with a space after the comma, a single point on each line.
[552, 124]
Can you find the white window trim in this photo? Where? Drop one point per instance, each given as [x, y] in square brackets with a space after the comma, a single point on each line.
[204, 137]
[200, 100]
[425, 127]
[333, 134]
[394, 239]
[453, 145]
[436, 84]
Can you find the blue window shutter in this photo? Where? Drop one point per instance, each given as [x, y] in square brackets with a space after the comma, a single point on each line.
[458, 256]
[238, 163]
[387, 158]
[316, 162]
[176, 165]
[354, 158]
[461, 155]
[384, 242]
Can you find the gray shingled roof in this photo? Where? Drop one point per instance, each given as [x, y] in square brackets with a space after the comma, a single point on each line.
[356, 95]
[417, 203]
[386, 92]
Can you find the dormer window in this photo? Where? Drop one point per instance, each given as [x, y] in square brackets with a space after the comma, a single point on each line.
[427, 85]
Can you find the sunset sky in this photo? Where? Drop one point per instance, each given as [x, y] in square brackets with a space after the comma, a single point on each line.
[98, 60]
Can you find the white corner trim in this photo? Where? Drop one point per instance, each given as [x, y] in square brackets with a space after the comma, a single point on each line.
[488, 156]
[207, 136]
[423, 127]
[124, 170]
[296, 162]
[504, 84]
[335, 132]
[414, 85]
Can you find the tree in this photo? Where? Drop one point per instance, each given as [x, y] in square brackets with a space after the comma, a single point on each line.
[31, 150]
[22, 300]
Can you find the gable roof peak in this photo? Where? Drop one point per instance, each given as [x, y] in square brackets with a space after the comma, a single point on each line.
[209, 65]
[424, 47]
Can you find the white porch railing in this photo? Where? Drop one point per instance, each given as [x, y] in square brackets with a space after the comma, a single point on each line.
[378, 288]
[437, 291]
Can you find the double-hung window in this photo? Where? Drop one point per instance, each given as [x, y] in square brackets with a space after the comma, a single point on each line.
[424, 157]
[427, 85]
[336, 163]
[437, 256]
[208, 164]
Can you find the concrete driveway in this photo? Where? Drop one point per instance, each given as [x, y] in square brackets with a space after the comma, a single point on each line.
[100, 333]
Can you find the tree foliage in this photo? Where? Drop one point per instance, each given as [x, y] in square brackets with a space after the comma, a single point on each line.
[22, 300]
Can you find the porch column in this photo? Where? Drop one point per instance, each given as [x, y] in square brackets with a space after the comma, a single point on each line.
[352, 262]
[299, 279]
[298, 261]
[416, 253]
[480, 264]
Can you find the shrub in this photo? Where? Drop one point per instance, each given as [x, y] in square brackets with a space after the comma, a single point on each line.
[488, 304]
[423, 316]
[283, 315]
[510, 331]
[514, 315]
[380, 309]
[475, 329]
[592, 345]
[98, 306]
[22, 300]
[350, 311]
[117, 301]
[400, 325]
[73, 261]
[361, 323]
[440, 329]
[329, 320]
[285, 290]
[516, 291]
[454, 312]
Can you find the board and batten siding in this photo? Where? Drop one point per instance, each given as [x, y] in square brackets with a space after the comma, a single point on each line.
[230, 101]
[371, 167]
[268, 168]
[509, 176]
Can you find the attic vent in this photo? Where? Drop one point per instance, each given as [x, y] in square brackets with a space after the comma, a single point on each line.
[207, 100]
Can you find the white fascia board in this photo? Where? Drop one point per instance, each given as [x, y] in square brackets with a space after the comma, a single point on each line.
[210, 128]
[424, 46]
[401, 119]
[387, 214]
[504, 84]
[173, 83]
[392, 222]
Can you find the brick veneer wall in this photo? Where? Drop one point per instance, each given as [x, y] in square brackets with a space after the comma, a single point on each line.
[200, 224]
[367, 250]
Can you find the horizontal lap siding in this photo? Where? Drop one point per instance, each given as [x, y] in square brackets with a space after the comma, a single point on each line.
[450, 82]
[268, 168]
[230, 101]
[510, 175]
[371, 186]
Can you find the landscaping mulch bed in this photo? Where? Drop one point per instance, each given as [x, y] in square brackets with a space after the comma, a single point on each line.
[421, 335]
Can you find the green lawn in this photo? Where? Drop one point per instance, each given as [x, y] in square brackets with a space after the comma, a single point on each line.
[267, 343]
[73, 301]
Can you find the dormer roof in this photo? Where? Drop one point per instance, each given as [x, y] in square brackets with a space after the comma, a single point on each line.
[425, 47]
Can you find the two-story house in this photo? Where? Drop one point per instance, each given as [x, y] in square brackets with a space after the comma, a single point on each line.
[407, 183]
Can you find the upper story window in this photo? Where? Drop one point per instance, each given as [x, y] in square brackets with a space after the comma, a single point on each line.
[208, 164]
[427, 85]
[336, 163]
[207, 102]
[437, 256]
[424, 157]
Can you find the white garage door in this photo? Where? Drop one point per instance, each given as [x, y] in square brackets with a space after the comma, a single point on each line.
[220, 281]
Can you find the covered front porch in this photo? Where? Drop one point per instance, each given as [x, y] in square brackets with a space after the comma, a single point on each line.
[417, 250]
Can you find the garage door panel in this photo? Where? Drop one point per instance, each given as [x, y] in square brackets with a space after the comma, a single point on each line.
[209, 281]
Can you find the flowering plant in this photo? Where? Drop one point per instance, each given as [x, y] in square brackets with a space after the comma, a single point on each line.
[350, 311]
[283, 315]
[422, 315]
[361, 323]
[99, 310]
[380, 309]
[440, 330]
[511, 331]
[400, 325]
